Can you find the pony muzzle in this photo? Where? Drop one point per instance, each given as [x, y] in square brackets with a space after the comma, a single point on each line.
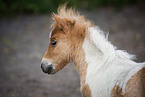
[47, 67]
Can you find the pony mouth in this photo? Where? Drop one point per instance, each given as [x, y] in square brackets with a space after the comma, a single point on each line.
[49, 69]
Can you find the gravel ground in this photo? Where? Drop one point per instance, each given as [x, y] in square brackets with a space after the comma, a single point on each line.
[24, 40]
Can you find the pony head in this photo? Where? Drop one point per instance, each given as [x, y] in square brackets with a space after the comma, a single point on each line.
[68, 32]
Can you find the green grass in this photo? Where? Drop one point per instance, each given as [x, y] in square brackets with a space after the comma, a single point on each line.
[13, 7]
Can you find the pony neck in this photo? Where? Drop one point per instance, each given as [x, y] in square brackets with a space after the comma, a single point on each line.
[78, 58]
[95, 45]
[94, 49]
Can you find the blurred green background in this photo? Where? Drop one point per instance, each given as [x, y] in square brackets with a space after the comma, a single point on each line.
[13, 7]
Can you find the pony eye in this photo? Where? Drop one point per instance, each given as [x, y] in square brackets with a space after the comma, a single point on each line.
[53, 42]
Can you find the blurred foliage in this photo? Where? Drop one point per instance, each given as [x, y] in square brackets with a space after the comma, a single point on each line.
[12, 7]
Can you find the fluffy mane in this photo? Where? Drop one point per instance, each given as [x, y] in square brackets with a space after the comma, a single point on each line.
[72, 15]
[107, 50]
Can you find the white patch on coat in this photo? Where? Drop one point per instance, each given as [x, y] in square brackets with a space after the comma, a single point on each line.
[107, 66]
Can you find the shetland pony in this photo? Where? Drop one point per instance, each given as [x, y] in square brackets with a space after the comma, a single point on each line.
[104, 70]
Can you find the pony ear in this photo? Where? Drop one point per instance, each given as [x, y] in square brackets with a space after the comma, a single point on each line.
[63, 22]
[57, 18]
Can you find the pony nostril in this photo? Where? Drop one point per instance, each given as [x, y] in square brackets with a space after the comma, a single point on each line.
[49, 69]
[43, 67]
[46, 68]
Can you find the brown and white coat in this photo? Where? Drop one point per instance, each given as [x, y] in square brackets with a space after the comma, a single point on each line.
[104, 70]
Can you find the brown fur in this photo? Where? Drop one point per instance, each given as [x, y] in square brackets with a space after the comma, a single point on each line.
[136, 85]
[117, 92]
[79, 57]
[86, 91]
[69, 31]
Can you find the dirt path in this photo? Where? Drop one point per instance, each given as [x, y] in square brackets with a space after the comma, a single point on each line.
[23, 42]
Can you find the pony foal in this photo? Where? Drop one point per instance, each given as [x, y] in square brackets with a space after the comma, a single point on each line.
[104, 70]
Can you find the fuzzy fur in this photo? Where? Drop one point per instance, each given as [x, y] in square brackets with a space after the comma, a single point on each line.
[101, 66]
[107, 66]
